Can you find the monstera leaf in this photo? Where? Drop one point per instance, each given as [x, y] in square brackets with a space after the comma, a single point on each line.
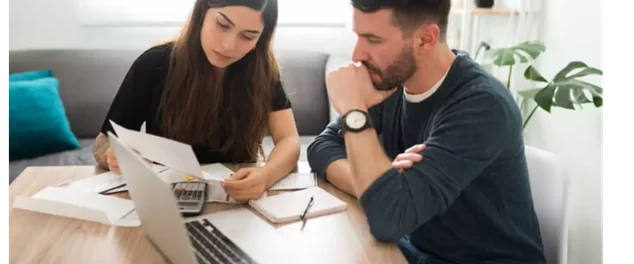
[565, 90]
[521, 52]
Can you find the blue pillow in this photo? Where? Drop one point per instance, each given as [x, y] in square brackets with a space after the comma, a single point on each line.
[30, 75]
[37, 119]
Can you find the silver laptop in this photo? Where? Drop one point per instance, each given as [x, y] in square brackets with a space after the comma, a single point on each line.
[233, 236]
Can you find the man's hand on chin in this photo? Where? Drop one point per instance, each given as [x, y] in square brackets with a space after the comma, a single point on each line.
[350, 87]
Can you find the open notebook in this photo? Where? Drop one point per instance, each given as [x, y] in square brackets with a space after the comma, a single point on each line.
[287, 207]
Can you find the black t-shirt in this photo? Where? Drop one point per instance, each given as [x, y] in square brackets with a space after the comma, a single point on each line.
[139, 96]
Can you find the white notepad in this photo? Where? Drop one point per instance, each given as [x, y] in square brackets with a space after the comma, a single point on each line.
[288, 207]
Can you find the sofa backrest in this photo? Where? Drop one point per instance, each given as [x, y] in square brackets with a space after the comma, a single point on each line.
[305, 84]
[89, 80]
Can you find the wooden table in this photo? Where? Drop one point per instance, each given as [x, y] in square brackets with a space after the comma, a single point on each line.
[41, 238]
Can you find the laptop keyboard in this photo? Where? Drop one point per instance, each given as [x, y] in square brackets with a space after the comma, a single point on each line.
[211, 246]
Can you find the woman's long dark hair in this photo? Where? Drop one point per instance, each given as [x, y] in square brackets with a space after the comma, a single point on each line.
[229, 117]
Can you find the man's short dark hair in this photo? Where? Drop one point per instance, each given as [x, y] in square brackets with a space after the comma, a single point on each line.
[411, 14]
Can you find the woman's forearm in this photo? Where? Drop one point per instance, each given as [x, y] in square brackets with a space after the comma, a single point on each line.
[99, 150]
[283, 159]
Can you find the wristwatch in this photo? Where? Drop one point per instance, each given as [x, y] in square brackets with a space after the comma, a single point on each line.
[355, 121]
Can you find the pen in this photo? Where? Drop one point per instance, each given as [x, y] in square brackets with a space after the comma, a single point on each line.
[310, 203]
[113, 188]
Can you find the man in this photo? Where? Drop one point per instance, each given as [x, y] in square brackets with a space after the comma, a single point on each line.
[463, 196]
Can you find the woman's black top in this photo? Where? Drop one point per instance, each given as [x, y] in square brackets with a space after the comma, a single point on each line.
[139, 96]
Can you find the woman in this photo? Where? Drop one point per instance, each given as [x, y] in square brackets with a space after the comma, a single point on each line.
[217, 87]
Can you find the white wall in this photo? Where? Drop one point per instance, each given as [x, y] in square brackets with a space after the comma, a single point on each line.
[39, 24]
[47, 24]
[575, 136]
[575, 34]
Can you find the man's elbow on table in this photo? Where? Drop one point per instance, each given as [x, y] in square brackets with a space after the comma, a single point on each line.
[389, 208]
[397, 204]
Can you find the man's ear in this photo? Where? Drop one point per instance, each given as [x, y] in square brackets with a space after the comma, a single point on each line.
[425, 38]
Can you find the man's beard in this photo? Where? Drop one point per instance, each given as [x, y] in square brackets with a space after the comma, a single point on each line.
[397, 73]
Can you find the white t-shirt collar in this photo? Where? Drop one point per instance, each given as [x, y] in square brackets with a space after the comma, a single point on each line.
[417, 98]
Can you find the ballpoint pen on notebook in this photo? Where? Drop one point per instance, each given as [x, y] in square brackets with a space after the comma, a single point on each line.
[310, 203]
[303, 216]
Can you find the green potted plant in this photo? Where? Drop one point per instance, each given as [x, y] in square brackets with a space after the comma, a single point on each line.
[524, 52]
[565, 90]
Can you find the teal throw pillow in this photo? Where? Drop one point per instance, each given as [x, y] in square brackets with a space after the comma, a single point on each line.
[30, 75]
[37, 119]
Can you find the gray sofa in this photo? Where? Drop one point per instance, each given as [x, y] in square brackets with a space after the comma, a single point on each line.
[89, 80]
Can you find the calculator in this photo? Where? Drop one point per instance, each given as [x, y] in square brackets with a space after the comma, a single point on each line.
[191, 197]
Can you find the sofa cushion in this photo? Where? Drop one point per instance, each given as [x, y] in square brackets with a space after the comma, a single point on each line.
[82, 156]
[88, 79]
[30, 75]
[37, 119]
[304, 82]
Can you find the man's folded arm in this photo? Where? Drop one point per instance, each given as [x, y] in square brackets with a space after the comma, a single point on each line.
[461, 147]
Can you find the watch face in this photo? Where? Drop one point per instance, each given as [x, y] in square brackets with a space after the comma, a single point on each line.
[355, 120]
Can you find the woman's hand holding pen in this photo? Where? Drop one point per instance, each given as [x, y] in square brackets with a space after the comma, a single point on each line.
[246, 184]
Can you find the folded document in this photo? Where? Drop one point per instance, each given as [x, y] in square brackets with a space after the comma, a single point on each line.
[173, 154]
[88, 206]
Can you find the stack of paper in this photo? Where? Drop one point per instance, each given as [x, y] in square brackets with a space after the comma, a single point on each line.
[302, 178]
[296, 181]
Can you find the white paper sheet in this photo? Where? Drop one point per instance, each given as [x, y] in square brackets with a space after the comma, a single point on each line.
[95, 183]
[104, 181]
[64, 201]
[303, 167]
[216, 172]
[303, 178]
[212, 173]
[296, 181]
[173, 154]
[215, 193]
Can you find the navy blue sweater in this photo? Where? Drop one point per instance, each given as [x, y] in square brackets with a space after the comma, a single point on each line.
[469, 199]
